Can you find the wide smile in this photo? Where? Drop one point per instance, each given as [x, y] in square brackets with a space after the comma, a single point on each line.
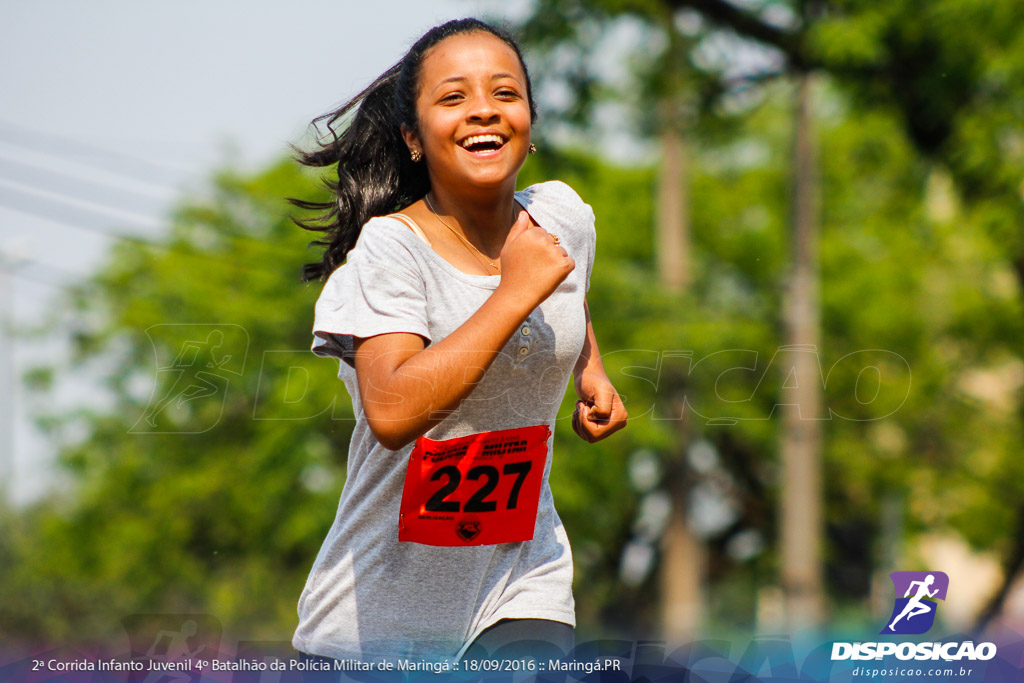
[484, 145]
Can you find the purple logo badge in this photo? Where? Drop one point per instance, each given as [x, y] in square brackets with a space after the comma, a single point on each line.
[916, 593]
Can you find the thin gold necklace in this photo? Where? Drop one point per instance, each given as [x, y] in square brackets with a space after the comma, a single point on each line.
[469, 245]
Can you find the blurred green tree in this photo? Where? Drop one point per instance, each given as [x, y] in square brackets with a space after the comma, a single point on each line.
[211, 474]
[954, 91]
[176, 502]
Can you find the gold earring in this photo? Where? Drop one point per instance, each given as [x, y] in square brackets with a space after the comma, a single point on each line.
[415, 155]
[533, 148]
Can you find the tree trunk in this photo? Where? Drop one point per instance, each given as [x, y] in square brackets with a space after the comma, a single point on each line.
[673, 226]
[7, 380]
[682, 576]
[1013, 561]
[802, 525]
[682, 561]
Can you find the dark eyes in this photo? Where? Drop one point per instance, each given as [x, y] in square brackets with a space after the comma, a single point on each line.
[504, 93]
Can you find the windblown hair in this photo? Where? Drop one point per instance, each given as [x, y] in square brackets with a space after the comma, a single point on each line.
[375, 173]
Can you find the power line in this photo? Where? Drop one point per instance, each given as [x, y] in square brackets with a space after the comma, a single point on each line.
[109, 213]
[94, 221]
[6, 378]
[62, 145]
[89, 190]
[92, 212]
[143, 214]
[139, 212]
[15, 264]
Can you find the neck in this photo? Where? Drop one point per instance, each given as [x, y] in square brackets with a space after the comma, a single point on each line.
[484, 220]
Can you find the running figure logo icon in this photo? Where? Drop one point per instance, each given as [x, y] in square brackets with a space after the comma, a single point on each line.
[914, 612]
[196, 364]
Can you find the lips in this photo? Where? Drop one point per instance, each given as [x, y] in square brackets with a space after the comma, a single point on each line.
[481, 143]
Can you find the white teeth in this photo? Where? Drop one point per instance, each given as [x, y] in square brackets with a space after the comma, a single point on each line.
[477, 139]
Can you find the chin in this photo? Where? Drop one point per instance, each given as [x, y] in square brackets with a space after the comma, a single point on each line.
[494, 183]
[494, 177]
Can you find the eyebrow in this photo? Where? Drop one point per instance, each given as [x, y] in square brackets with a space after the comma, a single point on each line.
[457, 79]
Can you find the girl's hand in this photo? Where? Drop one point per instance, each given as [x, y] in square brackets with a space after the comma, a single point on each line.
[599, 411]
[532, 265]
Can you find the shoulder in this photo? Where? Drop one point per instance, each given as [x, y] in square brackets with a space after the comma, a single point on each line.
[557, 197]
[559, 209]
[383, 250]
[382, 240]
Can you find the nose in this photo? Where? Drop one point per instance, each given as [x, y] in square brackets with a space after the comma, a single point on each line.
[482, 109]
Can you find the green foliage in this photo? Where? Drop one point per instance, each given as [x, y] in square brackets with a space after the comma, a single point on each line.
[928, 271]
[220, 506]
[220, 500]
[180, 521]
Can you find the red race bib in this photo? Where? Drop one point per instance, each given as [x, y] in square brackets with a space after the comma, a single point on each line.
[480, 489]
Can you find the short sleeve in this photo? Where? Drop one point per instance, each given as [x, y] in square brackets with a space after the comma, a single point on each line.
[366, 297]
[582, 217]
[557, 205]
[591, 237]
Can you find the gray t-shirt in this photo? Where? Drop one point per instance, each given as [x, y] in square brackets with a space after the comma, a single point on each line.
[369, 595]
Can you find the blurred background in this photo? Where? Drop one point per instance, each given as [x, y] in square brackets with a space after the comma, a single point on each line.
[808, 290]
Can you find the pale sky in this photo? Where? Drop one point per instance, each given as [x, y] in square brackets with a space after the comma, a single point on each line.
[111, 108]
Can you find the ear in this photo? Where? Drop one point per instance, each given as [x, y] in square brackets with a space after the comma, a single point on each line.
[412, 141]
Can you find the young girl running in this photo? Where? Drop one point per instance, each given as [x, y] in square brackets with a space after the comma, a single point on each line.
[457, 308]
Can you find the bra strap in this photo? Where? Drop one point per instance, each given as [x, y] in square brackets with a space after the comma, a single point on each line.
[411, 224]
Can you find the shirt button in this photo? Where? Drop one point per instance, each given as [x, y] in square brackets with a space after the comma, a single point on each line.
[523, 350]
[526, 330]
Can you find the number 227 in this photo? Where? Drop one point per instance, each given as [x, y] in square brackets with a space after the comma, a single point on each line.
[478, 501]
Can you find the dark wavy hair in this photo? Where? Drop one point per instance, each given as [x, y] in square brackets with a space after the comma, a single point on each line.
[375, 174]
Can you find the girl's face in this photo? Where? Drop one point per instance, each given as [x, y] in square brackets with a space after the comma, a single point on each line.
[473, 113]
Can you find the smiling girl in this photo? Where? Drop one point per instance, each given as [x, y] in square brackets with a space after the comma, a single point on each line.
[457, 308]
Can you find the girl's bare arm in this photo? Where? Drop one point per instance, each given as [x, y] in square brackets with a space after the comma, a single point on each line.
[407, 388]
[599, 411]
